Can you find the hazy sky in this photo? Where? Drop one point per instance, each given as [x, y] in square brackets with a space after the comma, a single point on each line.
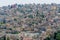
[9, 2]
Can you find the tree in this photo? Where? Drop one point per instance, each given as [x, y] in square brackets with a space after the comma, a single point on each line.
[8, 38]
[58, 36]
[30, 16]
[15, 19]
[47, 38]
[55, 35]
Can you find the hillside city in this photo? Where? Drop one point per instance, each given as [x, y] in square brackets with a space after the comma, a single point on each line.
[29, 21]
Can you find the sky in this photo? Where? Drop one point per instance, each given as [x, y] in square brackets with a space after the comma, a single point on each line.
[9, 2]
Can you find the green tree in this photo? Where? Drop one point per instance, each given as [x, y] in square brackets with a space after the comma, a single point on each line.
[8, 38]
[58, 36]
[30, 16]
[47, 38]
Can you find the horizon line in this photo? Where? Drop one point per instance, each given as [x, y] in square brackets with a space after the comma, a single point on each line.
[29, 3]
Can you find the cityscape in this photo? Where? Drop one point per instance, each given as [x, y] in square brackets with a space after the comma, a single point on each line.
[30, 22]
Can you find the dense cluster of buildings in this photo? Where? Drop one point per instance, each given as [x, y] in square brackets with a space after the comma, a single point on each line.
[29, 21]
